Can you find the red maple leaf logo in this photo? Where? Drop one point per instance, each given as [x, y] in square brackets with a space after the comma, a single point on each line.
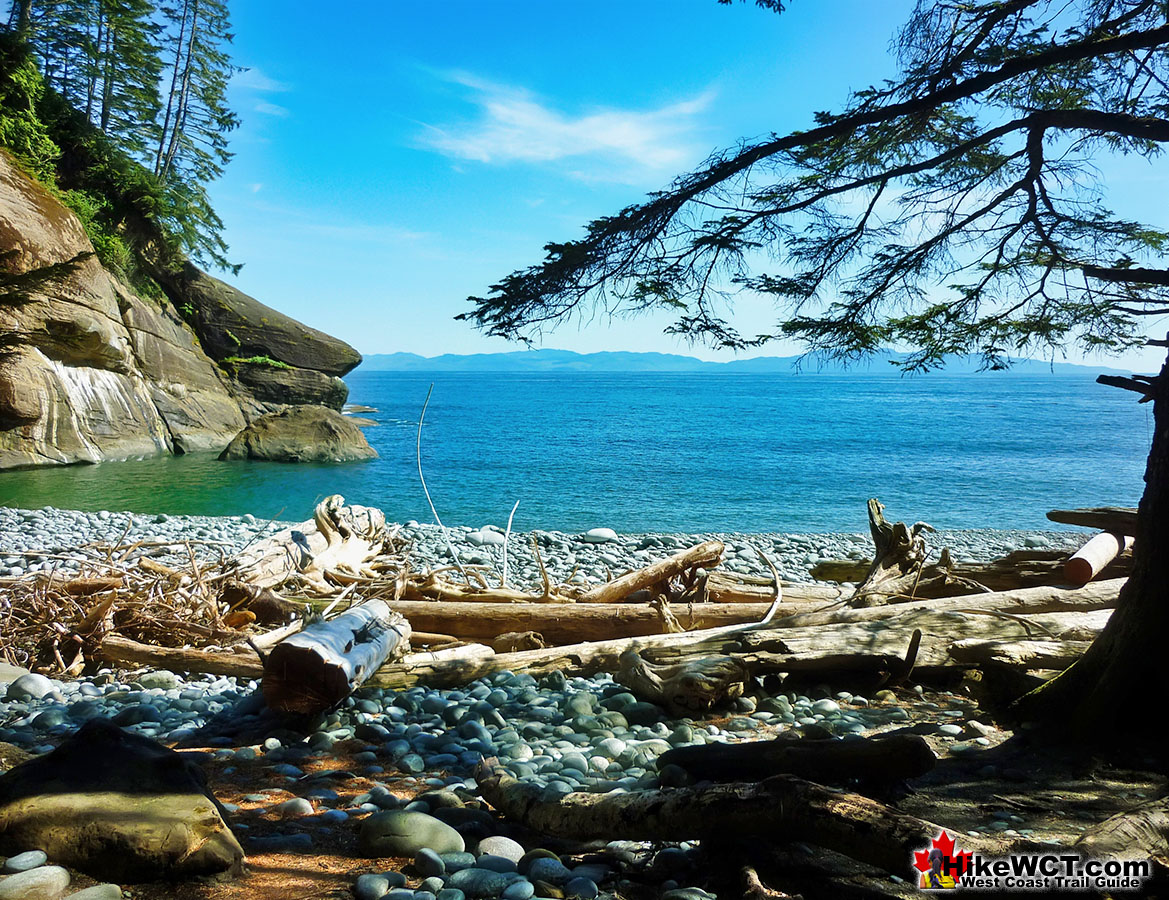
[954, 864]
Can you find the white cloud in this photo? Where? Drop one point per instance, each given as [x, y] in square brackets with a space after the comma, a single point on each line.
[254, 79]
[271, 109]
[257, 187]
[516, 126]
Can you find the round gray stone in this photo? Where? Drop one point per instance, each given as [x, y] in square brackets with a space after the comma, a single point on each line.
[22, 862]
[428, 863]
[98, 892]
[42, 883]
[476, 882]
[498, 845]
[397, 832]
[29, 687]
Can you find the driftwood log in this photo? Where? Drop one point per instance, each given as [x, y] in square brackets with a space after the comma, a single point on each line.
[318, 556]
[1020, 654]
[826, 643]
[1018, 569]
[783, 808]
[571, 623]
[899, 570]
[877, 760]
[1120, 519]
[693, 687]
[731, 587]
[318, 667]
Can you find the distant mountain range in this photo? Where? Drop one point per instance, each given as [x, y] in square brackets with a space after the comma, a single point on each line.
[625, 361]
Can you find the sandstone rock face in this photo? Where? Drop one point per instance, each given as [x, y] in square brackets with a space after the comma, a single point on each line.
[232, 324]
[289, 385]
[119, 807]
[301, 434]
[91, 371]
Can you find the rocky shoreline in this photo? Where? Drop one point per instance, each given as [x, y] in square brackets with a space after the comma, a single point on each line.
[390, 776]
[57, 539]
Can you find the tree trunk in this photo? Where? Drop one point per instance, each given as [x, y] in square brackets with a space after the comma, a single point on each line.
[1105, 696]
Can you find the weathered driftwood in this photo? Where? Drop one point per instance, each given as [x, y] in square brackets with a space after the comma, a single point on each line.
[511, 641]
[319, 555]
[877, 760]
[782, 808]
[1018, 569]
[708, 553]
[690, 688]
[1138, 833]
[1025, 601]
[119, 650]
[875, 641]
[1021, 654]
[1120, 519]
[899, 570]
[569, 623]
[1096, 555]
[731, 587]
[319, 666]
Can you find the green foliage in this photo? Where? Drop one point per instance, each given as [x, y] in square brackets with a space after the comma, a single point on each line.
[101, 127]
[93, 215]
[231, 336]
[21, 129]
[957, 209]
[255, 361]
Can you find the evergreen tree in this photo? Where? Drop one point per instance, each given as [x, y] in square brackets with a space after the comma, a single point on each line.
[191, 149]
[956, 209]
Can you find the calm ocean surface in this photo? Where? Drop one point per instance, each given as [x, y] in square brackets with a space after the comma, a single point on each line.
[677, 452]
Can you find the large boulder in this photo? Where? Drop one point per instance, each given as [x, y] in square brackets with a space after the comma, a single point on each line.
[232, 325]
[301, 434]
[119, 807]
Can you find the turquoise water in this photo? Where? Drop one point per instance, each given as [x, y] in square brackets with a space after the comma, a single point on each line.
[677, 452]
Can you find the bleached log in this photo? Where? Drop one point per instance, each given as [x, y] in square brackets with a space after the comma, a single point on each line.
[120, 651]
[783, 808]
[1020, 654]
[1018, 569]
[693, 687]
[1094, 596]
[568, 623]
[708, 553]
[731, 587]
[336, 543]
[869, 644]
[319, 666]
[1119, 519]
[1091, 559]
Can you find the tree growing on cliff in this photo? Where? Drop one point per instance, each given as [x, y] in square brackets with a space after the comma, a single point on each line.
[957, 209]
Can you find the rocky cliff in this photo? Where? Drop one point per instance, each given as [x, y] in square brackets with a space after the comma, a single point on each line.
[90, 370]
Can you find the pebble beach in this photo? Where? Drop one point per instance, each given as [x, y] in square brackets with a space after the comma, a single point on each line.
[394, 771]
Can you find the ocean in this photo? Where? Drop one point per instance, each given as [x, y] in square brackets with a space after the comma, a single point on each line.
[676, 452]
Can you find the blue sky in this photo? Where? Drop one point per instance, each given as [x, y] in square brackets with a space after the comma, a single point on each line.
[397, 157]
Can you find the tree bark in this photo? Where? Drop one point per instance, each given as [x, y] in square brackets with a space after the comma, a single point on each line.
[1104, 697]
